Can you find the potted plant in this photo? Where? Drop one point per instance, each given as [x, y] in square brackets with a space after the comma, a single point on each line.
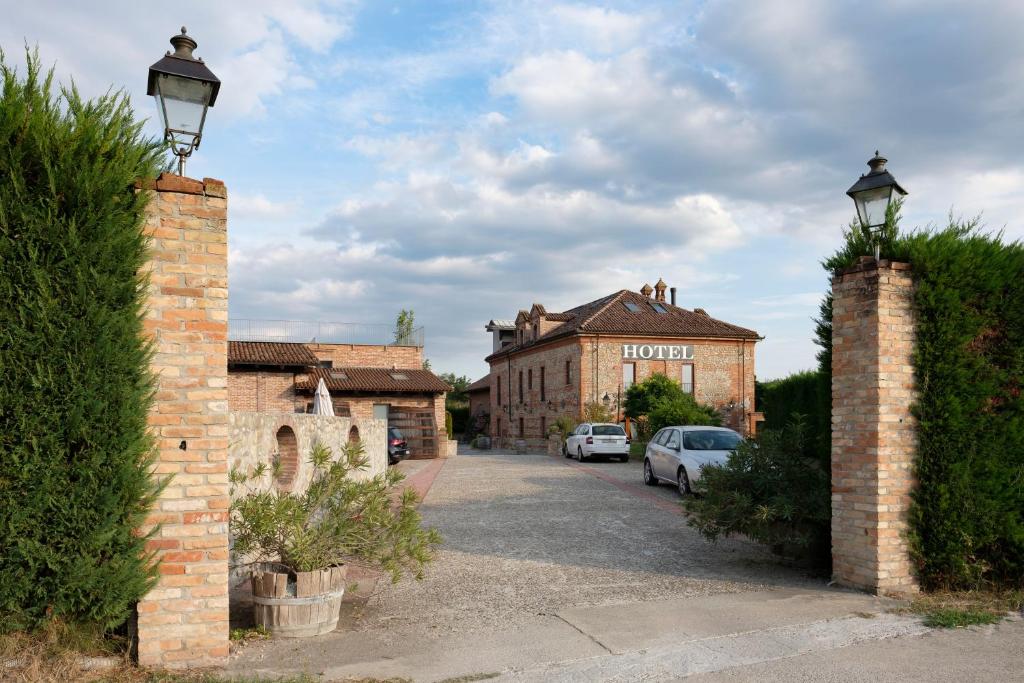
[298, 544]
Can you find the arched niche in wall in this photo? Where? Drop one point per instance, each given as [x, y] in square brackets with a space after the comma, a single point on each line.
[353, 435]
[287, 456]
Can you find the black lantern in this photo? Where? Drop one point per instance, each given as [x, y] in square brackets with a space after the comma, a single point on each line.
[873, 194]
[183, 88]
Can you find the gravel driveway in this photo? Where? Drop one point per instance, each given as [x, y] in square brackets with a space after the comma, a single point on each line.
[532, 534]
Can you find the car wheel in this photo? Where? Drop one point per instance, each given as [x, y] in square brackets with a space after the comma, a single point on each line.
[579, 453]
[683, 482]
[565, 450]
[649, 477]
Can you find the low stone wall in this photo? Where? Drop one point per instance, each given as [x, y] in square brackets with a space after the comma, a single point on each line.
[254, 439]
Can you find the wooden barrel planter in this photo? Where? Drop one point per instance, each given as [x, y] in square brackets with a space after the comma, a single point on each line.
[300, 604]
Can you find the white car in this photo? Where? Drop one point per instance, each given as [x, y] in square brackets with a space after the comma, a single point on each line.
[676, 454]
[597, 439]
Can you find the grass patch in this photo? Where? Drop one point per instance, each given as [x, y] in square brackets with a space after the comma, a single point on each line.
[952, 617]
[239, 635]
[637, 450]
[967, 608]
[60, 652]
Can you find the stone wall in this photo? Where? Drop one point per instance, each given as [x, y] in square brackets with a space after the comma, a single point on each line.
[873, 431]
[183, 621]
[253, 440]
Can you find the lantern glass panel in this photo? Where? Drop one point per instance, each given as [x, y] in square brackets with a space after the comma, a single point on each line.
[182, 105]
[872, 205]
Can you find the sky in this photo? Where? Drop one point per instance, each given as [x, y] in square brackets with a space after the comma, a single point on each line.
[467, 159]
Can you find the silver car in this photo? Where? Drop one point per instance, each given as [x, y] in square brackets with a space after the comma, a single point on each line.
[676, 454]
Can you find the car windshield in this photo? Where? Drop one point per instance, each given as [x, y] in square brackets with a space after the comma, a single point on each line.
[710, 440]
[608, 430]
[394, 433]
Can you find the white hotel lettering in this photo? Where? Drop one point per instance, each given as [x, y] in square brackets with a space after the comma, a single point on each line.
[657, 351]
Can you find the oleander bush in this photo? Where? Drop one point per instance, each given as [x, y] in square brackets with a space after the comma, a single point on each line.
[769, 490]
[660, 401]
[75, 385]
[338, 519]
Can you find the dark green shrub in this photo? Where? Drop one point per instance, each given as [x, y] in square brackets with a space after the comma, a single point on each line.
[769, 491]
[448, 423]
[75, 386]
[807, 394]
[682, 409]
[967, 515]
[460, 418]
[641, 396]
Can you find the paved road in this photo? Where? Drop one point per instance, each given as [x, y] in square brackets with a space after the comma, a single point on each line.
[531, 534]
[546, 561]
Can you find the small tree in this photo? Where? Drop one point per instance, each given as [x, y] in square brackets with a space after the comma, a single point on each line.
[596, 412]
[641, 396]
[405, 325]
[563, 426]
[680, 410]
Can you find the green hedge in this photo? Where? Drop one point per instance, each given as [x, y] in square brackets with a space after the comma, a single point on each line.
[75, 389]
[967, 516]
[460, 418]
[806, 394]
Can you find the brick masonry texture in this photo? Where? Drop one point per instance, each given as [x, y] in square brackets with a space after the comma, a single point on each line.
[183, 621]
[873, 432]
[288, 390]
[723, 372]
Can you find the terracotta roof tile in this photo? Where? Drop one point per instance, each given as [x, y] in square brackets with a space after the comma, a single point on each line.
[482, 384]
[384, 380]
[270, 353]
[610, 315]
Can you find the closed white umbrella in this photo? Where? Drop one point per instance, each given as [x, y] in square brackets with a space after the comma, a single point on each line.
[322, 400]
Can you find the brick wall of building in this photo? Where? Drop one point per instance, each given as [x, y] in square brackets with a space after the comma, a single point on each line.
[369, 355]
[560, 397]
[263, 392]
[723, 374]
[723, 371]
[183, 621]
[873, 431]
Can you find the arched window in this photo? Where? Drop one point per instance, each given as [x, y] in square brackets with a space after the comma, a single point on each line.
[287, 456]
[353, 435]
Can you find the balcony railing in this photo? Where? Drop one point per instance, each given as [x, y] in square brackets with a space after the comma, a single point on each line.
[249, 329]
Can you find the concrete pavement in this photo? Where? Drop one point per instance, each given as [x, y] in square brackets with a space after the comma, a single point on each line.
[556, 571]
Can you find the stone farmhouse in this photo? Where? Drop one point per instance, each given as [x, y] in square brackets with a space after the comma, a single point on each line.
[558, 363]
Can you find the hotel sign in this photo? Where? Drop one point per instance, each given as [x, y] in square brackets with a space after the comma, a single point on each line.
[657, 351]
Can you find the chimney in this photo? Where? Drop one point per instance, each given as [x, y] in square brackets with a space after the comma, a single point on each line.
[646, 290]
[673, 293]
[659, 288]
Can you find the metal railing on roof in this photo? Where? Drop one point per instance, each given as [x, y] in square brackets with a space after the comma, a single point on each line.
[251, 329]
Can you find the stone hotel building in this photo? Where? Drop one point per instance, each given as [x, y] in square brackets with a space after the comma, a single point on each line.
[552, 364]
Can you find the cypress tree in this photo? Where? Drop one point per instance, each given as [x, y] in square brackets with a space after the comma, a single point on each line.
[75, 388]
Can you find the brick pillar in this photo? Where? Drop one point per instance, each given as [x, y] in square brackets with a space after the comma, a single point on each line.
[873, 434]
[184, 620]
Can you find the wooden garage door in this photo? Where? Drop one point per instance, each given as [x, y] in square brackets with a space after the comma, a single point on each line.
[418, 428]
